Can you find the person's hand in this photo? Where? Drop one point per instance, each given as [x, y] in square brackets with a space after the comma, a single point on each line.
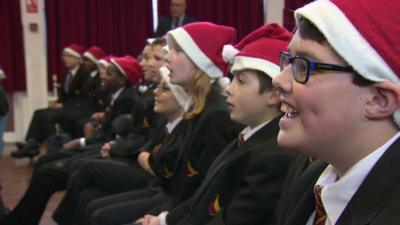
[154, 221]
[56, 105]
[105, 150]
[140, 220]
[99, 116]
[72, 144]
[150, 220]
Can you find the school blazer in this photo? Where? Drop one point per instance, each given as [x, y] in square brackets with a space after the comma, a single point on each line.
[75, 88]
[207, 135]
[376, 202]
[122, 105]
[243, 184]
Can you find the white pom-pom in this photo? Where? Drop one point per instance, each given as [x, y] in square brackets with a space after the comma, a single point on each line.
[143, 88]
[228, 53]
[224, 82]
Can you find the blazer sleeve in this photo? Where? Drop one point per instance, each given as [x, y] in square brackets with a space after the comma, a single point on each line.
[255, 202]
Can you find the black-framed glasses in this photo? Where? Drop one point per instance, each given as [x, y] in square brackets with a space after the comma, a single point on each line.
[302, 67]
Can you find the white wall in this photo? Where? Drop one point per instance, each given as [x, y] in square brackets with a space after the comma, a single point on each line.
[274, 11]
[36, 73]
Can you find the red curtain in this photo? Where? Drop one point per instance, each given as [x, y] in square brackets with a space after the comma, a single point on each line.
[119, 27]
[12, 59]
[288, 12]
[244, 15]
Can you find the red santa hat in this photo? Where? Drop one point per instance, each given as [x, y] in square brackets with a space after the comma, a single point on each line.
[129, 67]
[364, 33]
[74, 50]
[259, 50]
[94, 53]
[203, 42]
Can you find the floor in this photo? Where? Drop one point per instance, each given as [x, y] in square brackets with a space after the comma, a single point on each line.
[15, 176]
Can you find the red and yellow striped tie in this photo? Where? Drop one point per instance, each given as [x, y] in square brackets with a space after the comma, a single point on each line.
[320, 214]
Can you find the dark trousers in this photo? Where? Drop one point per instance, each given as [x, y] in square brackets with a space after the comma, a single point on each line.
[123, 208]
[50, 175]
[42, 124]
[97, 178]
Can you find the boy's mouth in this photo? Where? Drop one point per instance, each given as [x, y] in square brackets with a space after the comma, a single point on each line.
[289, 111]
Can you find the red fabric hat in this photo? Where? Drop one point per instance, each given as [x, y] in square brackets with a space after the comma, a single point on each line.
[94, 53]
[129, 67]
[105, 61]
[203, 42]
[260, 50]
[364, 33]
[74, 50]
[367, 38]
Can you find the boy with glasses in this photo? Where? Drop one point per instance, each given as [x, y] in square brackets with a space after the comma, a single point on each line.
[340, 93]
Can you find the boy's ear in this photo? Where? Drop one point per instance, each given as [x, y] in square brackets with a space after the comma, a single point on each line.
[273, 97]
[385, 100]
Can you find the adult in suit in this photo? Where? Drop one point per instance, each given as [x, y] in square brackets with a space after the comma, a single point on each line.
[43, 120]
[359, 79]
[176, 19]
[52, 171]
[244, 182]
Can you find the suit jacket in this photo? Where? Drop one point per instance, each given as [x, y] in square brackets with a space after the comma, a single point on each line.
[75, 88]
[122, 105]
[376, 202]
[243, 184]
[207, 135]
[165, 24]
[93, 96]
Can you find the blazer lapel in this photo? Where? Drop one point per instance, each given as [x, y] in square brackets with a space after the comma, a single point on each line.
[233, 151]
[303, 194]
[376, 190]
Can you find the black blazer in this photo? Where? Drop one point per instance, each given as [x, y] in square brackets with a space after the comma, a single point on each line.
[243, 184]
[75, 88]
[207, 135]
[122, 105]
[376, 202]
[165, 24]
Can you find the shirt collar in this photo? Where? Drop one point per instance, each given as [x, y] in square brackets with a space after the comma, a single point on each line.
[115, 95]
[337, 193]
[171, 125]
[74, 70]
[248, 131]
[93, 73]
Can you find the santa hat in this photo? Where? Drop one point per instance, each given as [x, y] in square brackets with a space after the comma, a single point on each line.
[259, 50]
[105, 61]
[364, 33]
[129, 67]
[180, 95]
[94, 53]
[203, 42]
[74, 50]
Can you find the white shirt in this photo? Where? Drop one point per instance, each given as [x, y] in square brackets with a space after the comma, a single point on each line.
[248, 131]
[336, 193]
[171, 125]
[74, 70]
[93, 74]
[115, 95]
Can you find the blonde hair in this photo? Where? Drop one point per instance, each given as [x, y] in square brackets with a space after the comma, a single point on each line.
[200, 87]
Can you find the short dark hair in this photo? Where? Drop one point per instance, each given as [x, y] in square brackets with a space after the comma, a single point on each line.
[265, 82]
[309, 31]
